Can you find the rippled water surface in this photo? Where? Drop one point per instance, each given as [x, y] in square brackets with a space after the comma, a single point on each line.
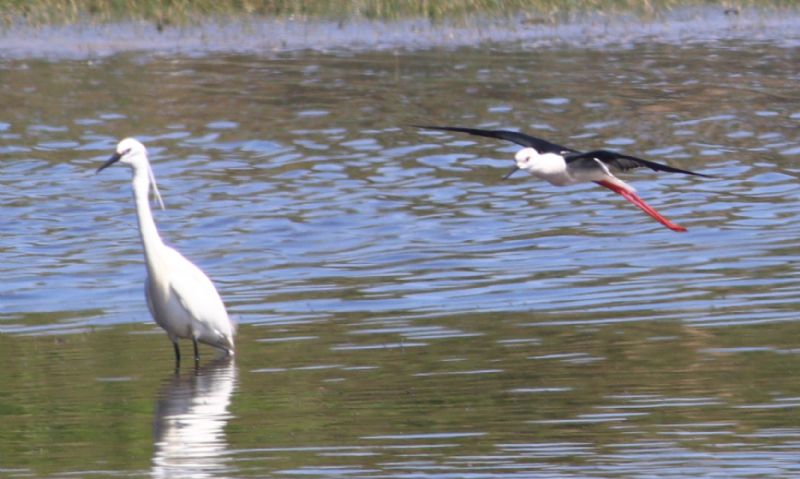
[403, 312]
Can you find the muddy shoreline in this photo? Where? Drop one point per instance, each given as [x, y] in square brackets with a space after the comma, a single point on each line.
[280, 36]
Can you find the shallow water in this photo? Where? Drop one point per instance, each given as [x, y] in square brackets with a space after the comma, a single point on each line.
[403, 312]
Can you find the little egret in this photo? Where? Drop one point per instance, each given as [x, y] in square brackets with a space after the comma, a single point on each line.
[181, 298]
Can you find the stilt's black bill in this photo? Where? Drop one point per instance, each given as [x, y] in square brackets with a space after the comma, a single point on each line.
[114, 158]
[513, 170]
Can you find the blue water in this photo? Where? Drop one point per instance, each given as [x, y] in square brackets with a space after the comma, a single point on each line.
[403, 311]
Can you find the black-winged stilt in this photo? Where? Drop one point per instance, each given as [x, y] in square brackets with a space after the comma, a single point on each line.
[563, 166]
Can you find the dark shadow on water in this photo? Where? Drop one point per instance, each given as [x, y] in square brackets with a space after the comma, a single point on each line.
[189, 421]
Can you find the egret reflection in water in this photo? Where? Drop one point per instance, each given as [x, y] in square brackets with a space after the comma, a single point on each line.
[189, 423]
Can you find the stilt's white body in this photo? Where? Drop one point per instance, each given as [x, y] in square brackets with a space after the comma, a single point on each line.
[553, 168]
[181, 298]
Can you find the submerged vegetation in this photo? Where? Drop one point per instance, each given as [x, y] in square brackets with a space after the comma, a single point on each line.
[165, 12]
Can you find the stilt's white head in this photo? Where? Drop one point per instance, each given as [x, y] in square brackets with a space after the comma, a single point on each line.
[132, 152]
[527, 158]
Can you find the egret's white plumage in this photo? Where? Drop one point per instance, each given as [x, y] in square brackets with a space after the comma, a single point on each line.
[179, 295]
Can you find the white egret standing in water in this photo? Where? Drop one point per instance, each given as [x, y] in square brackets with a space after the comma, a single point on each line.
[179, 295]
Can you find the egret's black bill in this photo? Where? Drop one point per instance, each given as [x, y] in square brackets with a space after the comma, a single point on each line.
[114, 158]
[513, 170]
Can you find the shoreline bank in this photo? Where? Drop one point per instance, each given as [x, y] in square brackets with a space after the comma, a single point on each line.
[278, 36]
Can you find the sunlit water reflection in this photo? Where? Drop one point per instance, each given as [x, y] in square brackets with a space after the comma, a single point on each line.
[190, 419]
[403, 312]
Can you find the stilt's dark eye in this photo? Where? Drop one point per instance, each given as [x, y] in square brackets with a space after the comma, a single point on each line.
[125, 152]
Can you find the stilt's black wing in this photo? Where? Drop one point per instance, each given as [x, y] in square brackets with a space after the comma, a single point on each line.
[542, 146]
[619, 162]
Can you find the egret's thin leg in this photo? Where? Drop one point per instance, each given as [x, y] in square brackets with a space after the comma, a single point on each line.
[177, 354]
[196, 353]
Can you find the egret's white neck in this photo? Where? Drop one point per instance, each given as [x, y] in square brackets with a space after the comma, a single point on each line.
[147, 226]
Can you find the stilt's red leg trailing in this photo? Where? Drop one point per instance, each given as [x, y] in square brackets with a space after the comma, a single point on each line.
[634, 198]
